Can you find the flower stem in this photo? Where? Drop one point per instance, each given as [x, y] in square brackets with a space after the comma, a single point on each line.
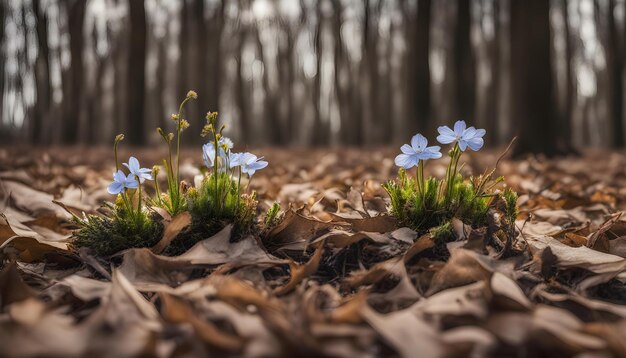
[139, 198]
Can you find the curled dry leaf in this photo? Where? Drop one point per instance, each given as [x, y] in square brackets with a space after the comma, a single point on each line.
[172, 229]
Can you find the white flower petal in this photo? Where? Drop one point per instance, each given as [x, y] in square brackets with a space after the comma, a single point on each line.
[459, 128]
[445, 138]
[115, 188]
[462, 145]
[407, 149]
[119, 176]
[475, 143]
[469, 133]
[419, 142]
[445, 130]
[405, 161]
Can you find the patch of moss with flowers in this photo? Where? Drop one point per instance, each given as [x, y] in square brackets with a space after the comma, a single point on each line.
[430, 204]
[219, 199]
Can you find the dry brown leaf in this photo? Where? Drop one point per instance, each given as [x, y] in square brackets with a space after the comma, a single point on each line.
[176, 311]
[300, 272]
[12, 286]
[294, 232]
[406, 333]
[171, 230]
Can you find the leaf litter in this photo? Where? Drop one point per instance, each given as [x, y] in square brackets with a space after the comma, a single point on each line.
[337, 277]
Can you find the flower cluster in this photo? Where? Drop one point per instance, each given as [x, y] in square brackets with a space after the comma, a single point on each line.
[461, 136]
[422, 202]
[216, 202]
[133, 181]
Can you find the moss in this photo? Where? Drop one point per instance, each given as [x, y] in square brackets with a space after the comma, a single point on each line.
[443, 233]
[214, 205]
[273, 216]
[119, 230]
[435, 207]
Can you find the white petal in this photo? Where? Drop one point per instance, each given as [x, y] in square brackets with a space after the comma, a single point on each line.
[469, 133]
[115, 188]
[445, 138]
[475, 143]
[133, 164]
[407, 149]
[459, 127]
[405, 161]
[445, 130]
[480, 133]
[434, 152]
[419, 142]
[462, 145]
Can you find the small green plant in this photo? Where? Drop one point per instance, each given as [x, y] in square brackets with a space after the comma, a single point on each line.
[429, 203]
[174, 201]
[128, 223]
[273, 216]
[218, 201]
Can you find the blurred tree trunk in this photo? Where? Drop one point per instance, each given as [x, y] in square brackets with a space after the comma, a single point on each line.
[137, 72]
[241, 93]
[286, 77]
[570, 87]
[3, 55]
[350, 129]
[72, 97]
[42, 75]
[183, 46]
[369, 74]
[320, 134]
[161, 81]
[615, 67]
[464, 66]
[95, 102]
[531, 80]
[270, 100]
[216, 27]
[418, 66]
[493, 93]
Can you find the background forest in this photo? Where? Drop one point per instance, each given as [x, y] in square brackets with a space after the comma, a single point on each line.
[314, 72]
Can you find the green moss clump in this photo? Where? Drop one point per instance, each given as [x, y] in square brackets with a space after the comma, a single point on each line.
[273, 216]
[215, 204]
[435, 206]
[117, 231]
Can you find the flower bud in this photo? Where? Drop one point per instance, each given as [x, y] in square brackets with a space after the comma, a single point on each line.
[184, 124]
[174, 117]
[192, 94]
[119, 137]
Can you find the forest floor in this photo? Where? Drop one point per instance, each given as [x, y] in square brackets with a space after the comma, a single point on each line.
[336, 278]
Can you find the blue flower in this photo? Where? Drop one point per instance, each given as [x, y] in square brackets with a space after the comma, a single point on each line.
[234, 159]
[208, 154]
[136, 170]
[121, 182]
[418, 150]
[250, 163]
[466, 137]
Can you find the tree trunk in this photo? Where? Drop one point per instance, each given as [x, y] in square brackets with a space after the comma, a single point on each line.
[136, 72]
[464, 67]
[420, 71]
[42, 75]
[532, 101]
[73, 96]
[615, 67]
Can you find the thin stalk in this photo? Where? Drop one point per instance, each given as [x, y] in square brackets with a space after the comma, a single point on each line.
[139, 198]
